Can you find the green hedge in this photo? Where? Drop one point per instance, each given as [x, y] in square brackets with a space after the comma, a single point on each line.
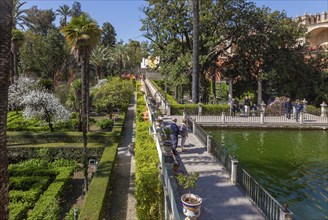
[16, 122]
[192, 109]
[168, 97]
[18, 153]
[47, 207]
[148, 188]
[53, 137]
[96, 203]
[99, 187]
[29, 179]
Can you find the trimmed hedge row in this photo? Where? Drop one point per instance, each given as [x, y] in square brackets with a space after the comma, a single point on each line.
[96, 203]
[168, 97]
[47, 207]
[149, 193]
[22, 200]
[192, 109]
[99, 187]
[53, 137]
[29, 179]
[19, 153]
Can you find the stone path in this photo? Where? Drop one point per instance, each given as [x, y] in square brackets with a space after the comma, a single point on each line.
[222, 200]
[122, 201]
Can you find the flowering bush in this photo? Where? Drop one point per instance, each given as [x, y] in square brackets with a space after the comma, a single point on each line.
[18, 90]
[45, 106]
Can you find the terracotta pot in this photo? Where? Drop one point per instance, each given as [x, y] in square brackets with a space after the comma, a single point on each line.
[191, 209]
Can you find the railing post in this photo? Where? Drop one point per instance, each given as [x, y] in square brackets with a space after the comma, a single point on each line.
[200, 109]
[262, 117]
[168, 109]
[294, 112]
[301, 118]
[209, 144]
[304, 105]
[234, 165]
[184, 114]
[223, 118]
[193, 127]
[263, 105]
[285, 214]
[323, 110]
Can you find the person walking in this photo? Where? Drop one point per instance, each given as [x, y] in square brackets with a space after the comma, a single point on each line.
[299, 108]
[184, 134]
[247, 104]
[174, 135]
[288, 105]
[233, 107]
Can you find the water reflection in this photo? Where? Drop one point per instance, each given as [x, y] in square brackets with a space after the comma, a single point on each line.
[292, 165]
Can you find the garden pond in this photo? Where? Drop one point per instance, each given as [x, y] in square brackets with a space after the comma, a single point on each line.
[292, 165]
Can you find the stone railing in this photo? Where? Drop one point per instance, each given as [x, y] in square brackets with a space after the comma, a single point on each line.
[268, 205]
[313, 19]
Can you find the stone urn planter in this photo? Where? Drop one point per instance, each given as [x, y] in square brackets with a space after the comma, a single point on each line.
[191, 202]
[191, 205]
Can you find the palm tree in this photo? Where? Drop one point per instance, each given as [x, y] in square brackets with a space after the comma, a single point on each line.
[18, 17]
[195, 51]
[5, 36]
[17, 40]
[64, 11]
[98, 58]
[120, 56]
[83, 34]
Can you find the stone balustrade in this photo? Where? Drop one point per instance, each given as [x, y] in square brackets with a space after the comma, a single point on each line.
[313, 19]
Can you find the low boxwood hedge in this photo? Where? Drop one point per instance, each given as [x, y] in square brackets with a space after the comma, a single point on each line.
[99, 187]
[96, 202]
[38, 174]
[53, 137]
[18, 153]
[148, 188]
[47, 207]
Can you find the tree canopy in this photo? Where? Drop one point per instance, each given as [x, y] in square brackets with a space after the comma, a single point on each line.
[256, 44]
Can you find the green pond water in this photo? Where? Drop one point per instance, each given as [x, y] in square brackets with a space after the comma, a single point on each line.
[292, 165]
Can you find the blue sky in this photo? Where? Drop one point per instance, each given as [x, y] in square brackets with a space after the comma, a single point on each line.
[125, 15]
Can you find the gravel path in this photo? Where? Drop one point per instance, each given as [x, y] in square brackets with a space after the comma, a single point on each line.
[122, 201]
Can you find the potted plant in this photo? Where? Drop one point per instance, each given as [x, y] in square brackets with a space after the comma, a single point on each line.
[191, 202]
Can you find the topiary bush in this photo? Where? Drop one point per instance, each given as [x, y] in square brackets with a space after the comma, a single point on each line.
[106, 124]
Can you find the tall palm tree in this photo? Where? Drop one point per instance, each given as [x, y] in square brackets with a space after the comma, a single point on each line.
[17, 40]
[5, 37]
[64, 11]
[18, 14]
[83, 34]
[195, 51]
[99, 57]
[120, 56]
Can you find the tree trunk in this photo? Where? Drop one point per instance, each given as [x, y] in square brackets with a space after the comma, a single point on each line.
[213, 83]
[195, 50]
[5, 42]
[84, 79]
[259, 91]
[11, 66]
[98, 73]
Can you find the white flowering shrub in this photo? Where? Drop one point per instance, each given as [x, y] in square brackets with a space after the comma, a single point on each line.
[18, 90]
[44, 106]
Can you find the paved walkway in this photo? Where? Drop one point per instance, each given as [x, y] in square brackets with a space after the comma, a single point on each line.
[222, 200]
[122, 200]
